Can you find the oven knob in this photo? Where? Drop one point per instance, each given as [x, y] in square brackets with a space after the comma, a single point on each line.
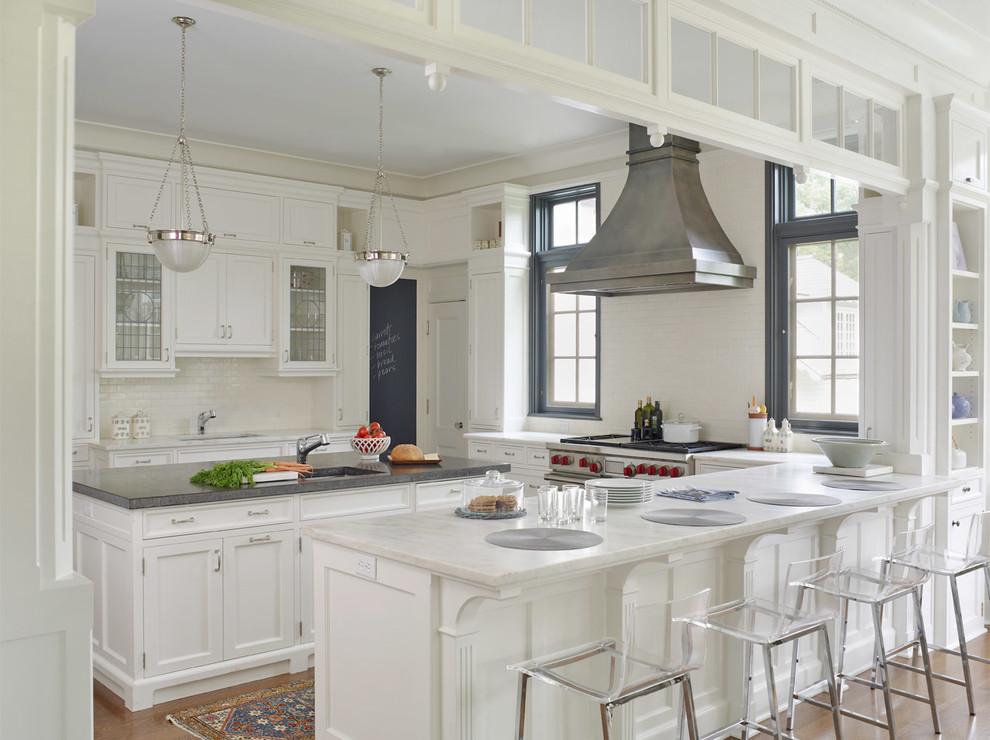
[652, 470]
[628, 471]
[594, 467]
[641, 468]
[662, 470]
[583, 462]
[675, 472]
[555, 460]
[565, 460]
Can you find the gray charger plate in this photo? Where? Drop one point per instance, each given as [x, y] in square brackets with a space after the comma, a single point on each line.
[693, 517]
[864, 485]
[794, 499]
[544, 538]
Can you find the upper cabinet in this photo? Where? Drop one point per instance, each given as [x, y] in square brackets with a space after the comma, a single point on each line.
[306, 317]
[225, 307]
[240, 216]
[85, 388]
[968, 153]
[129, 201]
[309, 223]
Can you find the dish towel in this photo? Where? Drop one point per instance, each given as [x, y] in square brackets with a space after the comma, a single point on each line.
[698, 494]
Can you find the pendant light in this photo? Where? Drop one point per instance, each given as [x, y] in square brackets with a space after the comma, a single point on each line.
[181, 249]
[380, 267]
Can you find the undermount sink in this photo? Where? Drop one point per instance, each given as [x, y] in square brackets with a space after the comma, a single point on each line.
[341, 472]
[216, 436]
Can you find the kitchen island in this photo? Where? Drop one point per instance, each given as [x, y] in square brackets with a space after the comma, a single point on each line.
[418, 615]
[197, 588]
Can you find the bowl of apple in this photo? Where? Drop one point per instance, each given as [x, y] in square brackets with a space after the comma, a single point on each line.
[370, 441]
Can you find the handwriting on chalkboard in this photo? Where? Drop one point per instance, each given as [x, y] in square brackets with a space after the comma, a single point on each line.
[383, 355]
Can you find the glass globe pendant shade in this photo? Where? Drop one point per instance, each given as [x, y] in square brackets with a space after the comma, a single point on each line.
[180, 250]
[380, 269]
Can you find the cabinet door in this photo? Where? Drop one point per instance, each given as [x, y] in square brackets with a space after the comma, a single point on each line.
[307, 327]
[308, 223]
[249, 301]
[485, 349]
[968, 154]
[200, 304]
[129, 201]
[183, 606]
[353, 380]
[258, 593]
[84, 385]
[235, 215]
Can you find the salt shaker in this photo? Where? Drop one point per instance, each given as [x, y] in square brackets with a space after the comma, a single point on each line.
[770, 435]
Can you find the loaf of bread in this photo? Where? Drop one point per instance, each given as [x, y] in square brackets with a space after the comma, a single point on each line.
[407, 452]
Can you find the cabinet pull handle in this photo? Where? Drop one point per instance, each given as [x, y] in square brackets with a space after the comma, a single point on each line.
[232, 236]
[955, 523]
[285, 355]
[166, 354]
[311, 244]
[454, 492]
[497, 409]
[340, 414]
[969, 179]
[139, 226]
[263, 512]
[190, 520]
[230, 332]
[966, 489]
[223, 331]
[266, 538]
[217, 553]
[509, 454]
[146, 461]
[75, 452]
[90, 418]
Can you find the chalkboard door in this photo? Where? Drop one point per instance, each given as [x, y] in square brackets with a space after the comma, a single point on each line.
[393, 360]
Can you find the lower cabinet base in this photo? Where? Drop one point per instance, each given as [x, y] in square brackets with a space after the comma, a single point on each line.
[143, 693]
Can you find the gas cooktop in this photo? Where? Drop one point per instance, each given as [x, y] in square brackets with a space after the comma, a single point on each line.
[656, 445]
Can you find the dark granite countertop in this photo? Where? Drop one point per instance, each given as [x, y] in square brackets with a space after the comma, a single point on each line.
[168, 485]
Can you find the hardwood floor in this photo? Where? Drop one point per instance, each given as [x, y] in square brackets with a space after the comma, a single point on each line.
[912, 718]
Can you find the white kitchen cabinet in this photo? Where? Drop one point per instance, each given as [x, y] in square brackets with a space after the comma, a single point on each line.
[486, 403]
[307, 320]
[968, 142]
[236, 215]
[309, 223]
[85, 387]
[138, 459]
[215, 453]
[353, 378]
[225, 306]
[129, 200]
[138, 310]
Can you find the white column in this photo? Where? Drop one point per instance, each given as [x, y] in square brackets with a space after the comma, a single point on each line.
[46, 610]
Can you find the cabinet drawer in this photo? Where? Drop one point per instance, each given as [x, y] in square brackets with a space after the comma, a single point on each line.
[176, 520]
[509, 454]
[131, 459]
[354, 501]
[440, 493]
[481, 450]
[970, 490]
[240, 452]
[80, 454]
[538, 457]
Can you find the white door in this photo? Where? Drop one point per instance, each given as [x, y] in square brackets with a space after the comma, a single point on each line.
[448, 372]
[249, 300]
[183, 606]
[201, 303]
[258, 593]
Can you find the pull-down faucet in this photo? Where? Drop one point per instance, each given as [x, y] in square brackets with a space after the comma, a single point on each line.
[205, 417]
[305, 445]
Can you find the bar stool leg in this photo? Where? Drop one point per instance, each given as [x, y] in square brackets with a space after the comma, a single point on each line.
[521, 706]
[843, 625]
[606, 721]
[881, 656]
[961, 632]
[789, 727]
[771, 691]
[926, 658]
[833, 690]
[747, 688]
[688, 714]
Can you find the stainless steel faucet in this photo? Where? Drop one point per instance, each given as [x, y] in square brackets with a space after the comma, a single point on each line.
[305, 445]
[205, 417]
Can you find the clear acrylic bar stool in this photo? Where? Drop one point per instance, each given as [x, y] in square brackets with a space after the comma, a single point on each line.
[899, 576]
[943, 562]
[613, 672]
[807, 608]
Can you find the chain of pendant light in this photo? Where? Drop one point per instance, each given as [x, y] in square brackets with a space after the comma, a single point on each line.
[185, 157]
[381, 180]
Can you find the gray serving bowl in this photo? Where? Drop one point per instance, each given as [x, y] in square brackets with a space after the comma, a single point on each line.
[849, 452]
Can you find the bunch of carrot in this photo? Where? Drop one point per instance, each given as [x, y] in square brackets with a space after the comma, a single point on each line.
[279, 466]
[232, 474]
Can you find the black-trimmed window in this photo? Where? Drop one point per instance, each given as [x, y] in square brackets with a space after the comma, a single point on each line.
[813, 306]
[564, 347]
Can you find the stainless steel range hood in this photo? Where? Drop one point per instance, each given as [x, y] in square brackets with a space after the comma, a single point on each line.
[661, 236]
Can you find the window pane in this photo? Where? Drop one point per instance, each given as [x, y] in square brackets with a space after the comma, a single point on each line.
[847, 328]
[564, 390]
[564, 224]
[812, 387]
[776, 93]
[812, 265]
[587, 303]
[813, 328]
[814, 196]
[586, 334]
[562, 301]
[847, 268]
[736, 72]
[847, 387]
[856, 124]
[587, 223]
[691, 61]
[846, 194]
[824, 111]
[564, 335]
[886, 137]
[586, 381]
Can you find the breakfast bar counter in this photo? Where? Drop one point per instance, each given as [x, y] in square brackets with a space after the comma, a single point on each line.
[419, 614]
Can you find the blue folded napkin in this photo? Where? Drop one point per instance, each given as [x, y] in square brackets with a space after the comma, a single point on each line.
[692, 493]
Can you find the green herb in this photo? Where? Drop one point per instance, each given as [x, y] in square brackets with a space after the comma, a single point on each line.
[230, 474]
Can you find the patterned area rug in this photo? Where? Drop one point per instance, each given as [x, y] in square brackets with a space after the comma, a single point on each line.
[283, 713]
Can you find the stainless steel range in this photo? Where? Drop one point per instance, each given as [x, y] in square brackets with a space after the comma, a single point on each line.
[575, 459]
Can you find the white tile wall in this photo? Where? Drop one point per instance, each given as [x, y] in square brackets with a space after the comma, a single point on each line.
[243, 395]
[701, 354]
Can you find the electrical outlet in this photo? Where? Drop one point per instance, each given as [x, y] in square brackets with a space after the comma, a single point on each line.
[367, 566]
[563, 426]
[86, 508]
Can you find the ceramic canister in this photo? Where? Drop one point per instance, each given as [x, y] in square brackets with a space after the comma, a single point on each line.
[140, 425]
[121, 426]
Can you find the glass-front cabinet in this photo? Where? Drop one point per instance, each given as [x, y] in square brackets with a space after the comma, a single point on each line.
[306, 336]
[138, 328]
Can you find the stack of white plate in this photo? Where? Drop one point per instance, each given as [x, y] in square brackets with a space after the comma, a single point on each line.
[624, 491]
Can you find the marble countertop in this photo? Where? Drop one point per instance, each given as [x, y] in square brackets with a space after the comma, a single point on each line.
[540, 437]
[213, 438]
[763, 458]
[442, 543]
[168, 485]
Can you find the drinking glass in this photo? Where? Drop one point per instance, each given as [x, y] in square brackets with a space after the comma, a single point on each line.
[597, 504]
[574, 499]
[546, 499]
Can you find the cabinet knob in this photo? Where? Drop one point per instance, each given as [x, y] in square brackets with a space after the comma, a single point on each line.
[966, 489]
[956, 523]
[969, 179]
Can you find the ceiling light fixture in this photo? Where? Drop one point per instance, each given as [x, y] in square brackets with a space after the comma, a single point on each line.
[381, 267]
[182, 249]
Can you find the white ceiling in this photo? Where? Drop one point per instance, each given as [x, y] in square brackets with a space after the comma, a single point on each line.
[276, 90]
